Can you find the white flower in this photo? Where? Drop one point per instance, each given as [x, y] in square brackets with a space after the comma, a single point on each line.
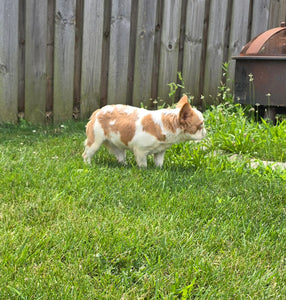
[250, 77]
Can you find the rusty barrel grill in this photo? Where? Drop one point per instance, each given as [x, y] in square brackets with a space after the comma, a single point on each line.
[260, 72]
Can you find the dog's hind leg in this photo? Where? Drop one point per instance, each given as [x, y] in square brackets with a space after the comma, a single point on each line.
[90, 151]
[120, 154]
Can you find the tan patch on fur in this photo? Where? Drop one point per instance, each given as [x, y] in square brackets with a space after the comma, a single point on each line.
[89, 129]
[189, 120]
[151, 127]
[170, 122]
[196, 124]
[120, 122]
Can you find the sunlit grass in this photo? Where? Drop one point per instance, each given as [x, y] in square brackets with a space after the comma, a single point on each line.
[201, 227]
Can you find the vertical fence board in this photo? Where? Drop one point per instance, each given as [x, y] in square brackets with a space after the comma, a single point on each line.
[238, 32]
[144, 52]
[193, 46]
[91, 56]
[260, 17]
[64, 59]
[119, 51]
[282, 11]
[215, 48]
[169, 46]
[8, 60]
[277, 12]
[273, 20]
[35, 61]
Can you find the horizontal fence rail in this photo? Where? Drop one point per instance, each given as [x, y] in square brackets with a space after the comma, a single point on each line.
[63, 59]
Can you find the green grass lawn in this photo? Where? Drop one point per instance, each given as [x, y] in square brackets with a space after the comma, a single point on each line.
[202, 227]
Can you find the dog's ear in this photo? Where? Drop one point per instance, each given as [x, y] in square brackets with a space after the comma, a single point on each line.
[182, 101]
[185, 113]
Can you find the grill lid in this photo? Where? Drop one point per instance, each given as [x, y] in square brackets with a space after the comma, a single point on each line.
[269, 43]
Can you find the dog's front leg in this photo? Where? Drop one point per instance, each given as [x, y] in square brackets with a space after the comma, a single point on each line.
[159, 158]
[141, 158]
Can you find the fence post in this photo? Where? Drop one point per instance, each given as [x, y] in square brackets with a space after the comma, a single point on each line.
[238, 32]
[144, 52]
[169, 46]
[119, 51]
[64, 59]
[193, 47]
[260, 17]
[35, 61]
[215, 48]
[91, 56]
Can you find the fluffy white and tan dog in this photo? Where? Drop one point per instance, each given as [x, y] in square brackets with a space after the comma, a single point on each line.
[121, 127]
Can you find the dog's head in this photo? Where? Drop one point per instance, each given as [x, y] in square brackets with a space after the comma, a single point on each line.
[191, 121]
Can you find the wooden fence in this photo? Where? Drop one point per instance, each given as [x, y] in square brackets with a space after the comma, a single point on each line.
[61, 59]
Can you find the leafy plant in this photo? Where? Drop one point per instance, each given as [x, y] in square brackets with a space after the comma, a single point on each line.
[174, 87]
[224, 91]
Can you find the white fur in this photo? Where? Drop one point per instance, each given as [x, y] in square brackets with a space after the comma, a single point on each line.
[143, 143]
